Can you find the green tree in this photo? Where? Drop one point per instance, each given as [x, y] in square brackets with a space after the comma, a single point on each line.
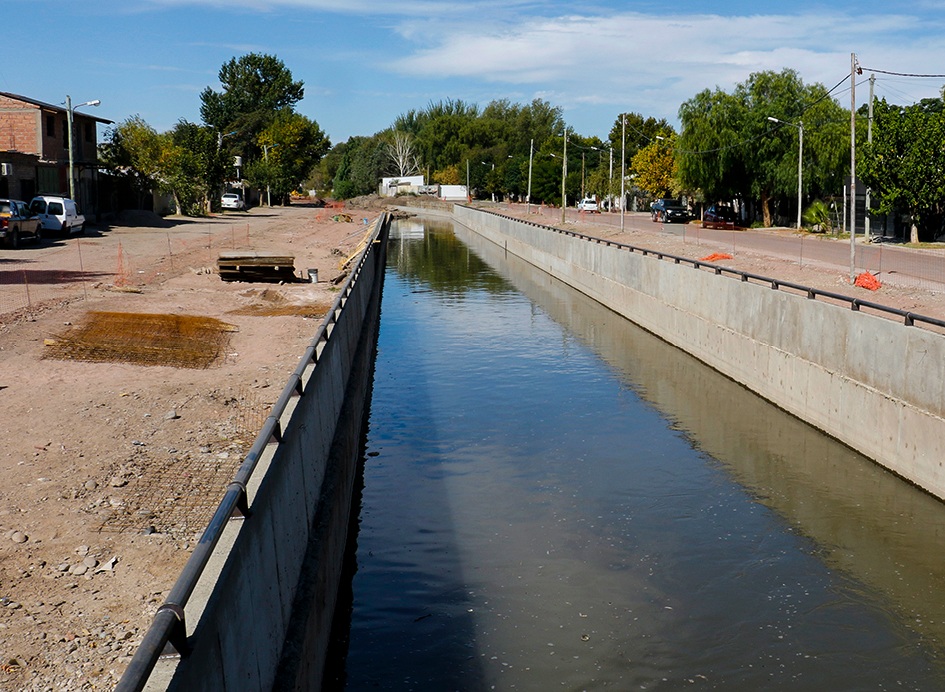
[729, 147]
[905, 165]
[133, 150]
[256, 87]
[292, 146]
[361, 167]
[638, 133]
[655, 168]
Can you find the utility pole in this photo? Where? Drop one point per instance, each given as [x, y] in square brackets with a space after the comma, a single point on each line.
[869, 139]
[623, 158]
[564, 175]
[610, 185]
[853, 69]
[528, 197]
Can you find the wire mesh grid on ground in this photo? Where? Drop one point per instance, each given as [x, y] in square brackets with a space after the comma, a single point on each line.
[179, 493]
[183, 341]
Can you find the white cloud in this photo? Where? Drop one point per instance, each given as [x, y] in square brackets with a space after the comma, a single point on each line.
[657, 61]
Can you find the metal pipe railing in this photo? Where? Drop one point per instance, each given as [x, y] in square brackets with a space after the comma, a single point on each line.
[909, 319]
[169, 625]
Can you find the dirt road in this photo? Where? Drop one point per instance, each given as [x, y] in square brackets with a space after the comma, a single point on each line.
[111, 468]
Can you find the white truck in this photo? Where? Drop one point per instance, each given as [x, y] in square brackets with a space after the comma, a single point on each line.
[58, 214]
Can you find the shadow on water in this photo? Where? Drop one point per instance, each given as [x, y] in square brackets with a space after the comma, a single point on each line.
[554, 498]
[396, 581]
[881, 532]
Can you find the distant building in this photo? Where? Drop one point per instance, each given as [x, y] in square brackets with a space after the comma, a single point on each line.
[453, 193]
[34, 151]
[410, 184]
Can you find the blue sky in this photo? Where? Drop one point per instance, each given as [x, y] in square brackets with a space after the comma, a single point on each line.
[364, 62]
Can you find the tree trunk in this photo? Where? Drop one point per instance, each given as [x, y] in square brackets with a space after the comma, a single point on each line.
[766, 209]
[913, 233]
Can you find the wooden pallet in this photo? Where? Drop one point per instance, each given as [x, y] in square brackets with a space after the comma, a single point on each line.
[253, 266]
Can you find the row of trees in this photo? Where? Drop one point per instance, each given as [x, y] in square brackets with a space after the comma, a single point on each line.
[741, 145]
[253, 117]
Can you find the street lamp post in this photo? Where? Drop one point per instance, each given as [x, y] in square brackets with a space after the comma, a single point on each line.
[623, 158]
[484, 163]
[564, 175]
[528, 197]
[69, 116]
[800, 158]
[266, 148]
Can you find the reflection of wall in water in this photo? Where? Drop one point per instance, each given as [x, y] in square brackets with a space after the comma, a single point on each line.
[865, 521]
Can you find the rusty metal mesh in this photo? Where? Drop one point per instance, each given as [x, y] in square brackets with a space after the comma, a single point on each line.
[182, 341]
[176, 494]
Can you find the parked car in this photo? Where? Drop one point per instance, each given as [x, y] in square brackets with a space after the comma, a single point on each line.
[17, 223]
[588, 204]
[669, 211]
[231, 200]
[58, 214]
[719, 216]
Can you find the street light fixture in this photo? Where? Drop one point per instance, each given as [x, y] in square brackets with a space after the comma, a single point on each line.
[484, 163]
[528, 197]
[69, 116]
[800, 157]
[623, 158]
[266, 148]
[564, 175]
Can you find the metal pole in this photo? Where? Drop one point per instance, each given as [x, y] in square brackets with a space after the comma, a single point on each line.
[869, 139]
[528, 197]
[564, 175]
[610, 184]
[266, 153]
[623, 158]
[852, 167]
[800, 170]
[69, 125]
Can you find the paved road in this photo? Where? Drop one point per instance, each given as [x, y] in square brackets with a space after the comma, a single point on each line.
[900, 265]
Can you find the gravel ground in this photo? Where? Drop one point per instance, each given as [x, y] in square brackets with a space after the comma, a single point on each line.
[112, 469]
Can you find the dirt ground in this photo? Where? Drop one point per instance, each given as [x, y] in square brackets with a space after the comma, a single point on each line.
[112, 469]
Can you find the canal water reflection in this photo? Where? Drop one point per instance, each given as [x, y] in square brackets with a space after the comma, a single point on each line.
[554, 498]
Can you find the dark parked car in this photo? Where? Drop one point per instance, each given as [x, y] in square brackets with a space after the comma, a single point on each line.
[669, 211]
[17, 223]
[719, 216]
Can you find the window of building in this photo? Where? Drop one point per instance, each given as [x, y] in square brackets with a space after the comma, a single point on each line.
[89, 132]
[50, 125]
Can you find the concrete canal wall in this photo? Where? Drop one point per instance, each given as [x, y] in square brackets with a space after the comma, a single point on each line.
[261, 612]
[874, 384]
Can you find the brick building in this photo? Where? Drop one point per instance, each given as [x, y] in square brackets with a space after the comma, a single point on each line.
[34, 151]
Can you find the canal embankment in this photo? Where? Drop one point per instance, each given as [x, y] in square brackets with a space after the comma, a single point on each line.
[875, 384]
[253, 607]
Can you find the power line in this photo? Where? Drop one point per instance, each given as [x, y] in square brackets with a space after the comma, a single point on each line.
[904, 74]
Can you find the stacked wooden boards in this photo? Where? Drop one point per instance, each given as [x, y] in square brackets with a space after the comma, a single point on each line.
[254, 266]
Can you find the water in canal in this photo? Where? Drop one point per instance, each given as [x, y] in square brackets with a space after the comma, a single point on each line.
[555, 499]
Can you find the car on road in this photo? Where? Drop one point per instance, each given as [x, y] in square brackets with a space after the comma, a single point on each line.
[588, 204]
[669, 211]
[231, 200]
[18, 223]
[719, 216]
[58, 214]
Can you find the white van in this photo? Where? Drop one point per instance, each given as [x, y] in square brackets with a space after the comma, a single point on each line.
[58, 214]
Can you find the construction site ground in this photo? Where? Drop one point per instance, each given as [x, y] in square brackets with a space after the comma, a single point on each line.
[134, 379]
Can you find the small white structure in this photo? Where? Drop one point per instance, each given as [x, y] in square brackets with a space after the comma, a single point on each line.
[390, 187]
[453, 193]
